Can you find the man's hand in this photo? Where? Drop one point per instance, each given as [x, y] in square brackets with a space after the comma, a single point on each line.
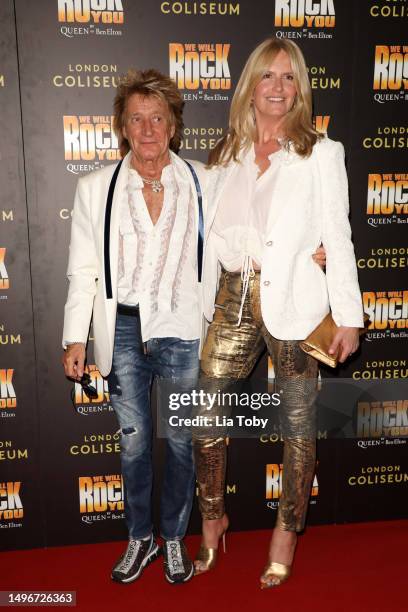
[345, 342]
[319, 257]
[73, 360]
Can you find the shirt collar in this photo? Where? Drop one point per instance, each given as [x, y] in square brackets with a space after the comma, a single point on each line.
[137, 182]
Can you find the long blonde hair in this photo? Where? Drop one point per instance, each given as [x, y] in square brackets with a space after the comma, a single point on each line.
[298, 122]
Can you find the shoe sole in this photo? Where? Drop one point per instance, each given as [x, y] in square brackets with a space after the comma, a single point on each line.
[171, 581]
[156, 552]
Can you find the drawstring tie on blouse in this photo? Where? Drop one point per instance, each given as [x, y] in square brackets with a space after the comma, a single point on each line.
[247, 272]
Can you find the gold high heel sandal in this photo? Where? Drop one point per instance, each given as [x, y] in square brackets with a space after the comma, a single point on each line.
[207, 557]
[275, 574]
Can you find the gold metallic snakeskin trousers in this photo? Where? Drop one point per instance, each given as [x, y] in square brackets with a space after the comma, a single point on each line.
[229, 354]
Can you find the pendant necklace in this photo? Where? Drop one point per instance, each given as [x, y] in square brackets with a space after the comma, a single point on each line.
[157, 186]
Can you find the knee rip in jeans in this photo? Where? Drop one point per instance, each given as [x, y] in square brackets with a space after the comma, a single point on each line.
[128, 431]
[130, 441]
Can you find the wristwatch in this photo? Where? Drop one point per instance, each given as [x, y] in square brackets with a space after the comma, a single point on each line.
[67, 344]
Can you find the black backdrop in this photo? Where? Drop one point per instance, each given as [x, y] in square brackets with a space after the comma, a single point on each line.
[59, 64]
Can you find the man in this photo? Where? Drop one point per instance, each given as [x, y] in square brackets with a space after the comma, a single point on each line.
[133, 268]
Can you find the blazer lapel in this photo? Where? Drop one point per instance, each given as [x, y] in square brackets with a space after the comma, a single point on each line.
[217, 184]
[284, 183]
[113, 231]
[184, 176]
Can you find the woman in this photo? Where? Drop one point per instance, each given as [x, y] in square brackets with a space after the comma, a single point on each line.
[280, 189]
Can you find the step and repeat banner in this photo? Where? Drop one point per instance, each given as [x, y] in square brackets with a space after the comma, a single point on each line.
[61, 61]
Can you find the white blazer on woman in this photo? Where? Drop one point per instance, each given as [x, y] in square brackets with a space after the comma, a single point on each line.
[310, 203]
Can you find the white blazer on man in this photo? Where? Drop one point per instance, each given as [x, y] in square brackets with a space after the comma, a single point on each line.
[94, 255]
[309, 206]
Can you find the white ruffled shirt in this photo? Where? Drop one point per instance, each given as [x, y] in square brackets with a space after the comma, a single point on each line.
[158, 263]
[243, 214]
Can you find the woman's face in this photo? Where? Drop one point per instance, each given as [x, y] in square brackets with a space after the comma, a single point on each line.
[275, 93]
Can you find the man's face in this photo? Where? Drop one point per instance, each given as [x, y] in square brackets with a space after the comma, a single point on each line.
[148, 127]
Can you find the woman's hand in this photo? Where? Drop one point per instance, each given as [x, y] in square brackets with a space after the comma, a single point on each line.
[345, 342]
[319, 257]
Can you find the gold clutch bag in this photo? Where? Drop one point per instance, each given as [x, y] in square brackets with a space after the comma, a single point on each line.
[318, 342]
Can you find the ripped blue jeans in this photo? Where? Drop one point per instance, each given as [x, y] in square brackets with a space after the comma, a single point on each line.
[134, 367]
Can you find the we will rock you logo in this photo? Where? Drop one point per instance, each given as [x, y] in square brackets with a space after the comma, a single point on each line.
[201, 68]
[274, 482]
[85, 405]
[8, 399]
[310, 19]
[388, 311]
[90, 11]
[100, 498]
[387, 199]
[10, 501]
[390, 73]
[4, 277]
[89, 142]
[90, 17]
[378, 419]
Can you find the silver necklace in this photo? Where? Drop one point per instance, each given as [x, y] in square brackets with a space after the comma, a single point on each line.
[157, 186]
